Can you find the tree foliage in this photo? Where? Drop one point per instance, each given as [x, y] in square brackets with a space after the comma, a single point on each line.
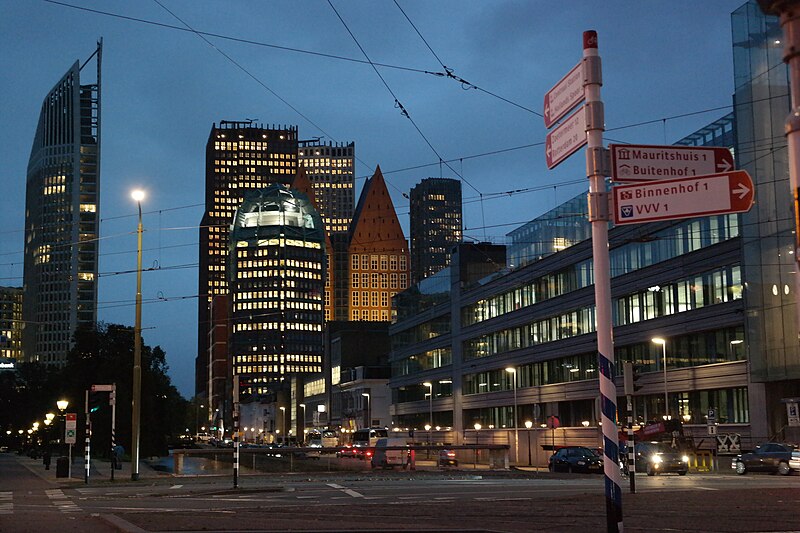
[101, 355]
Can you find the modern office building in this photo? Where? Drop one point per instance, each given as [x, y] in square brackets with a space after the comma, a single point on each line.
[62, 213]
[331, 170]
[485, 354]
[768, 231]
[377, 254]
[10, 327]
[435, 225]
[276, 276]
[240, 157]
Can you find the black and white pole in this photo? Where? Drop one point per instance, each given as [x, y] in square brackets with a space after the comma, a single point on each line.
[112, 399]
[599, 217]
[235, 430]
[631, 447]
[87, 443]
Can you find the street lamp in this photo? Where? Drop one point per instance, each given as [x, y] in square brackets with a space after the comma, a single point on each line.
[303, 432]
[369, 415]
[62, 405]
[283, 418]
[513, 371]
[136, 408]
[528, 426]
[430, 408]
[663, 343]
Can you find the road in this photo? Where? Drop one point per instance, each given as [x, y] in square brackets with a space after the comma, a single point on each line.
[392, 501]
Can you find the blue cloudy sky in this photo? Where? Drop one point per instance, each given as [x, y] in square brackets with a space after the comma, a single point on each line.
[163, 88]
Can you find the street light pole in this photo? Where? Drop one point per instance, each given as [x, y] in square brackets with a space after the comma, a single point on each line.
[513, 372]
[369, 414]
[283, 419]
[302, 430]
[430, 408]
[528, 426]
[136, 407]
[663, 343]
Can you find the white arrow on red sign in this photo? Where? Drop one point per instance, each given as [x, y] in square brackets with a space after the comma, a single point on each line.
[716, 194]
[566, 139]
[564, 95]
[641, 162]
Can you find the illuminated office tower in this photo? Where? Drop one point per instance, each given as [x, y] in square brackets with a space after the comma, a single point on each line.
[378, 253]
[435, 223]
[240, 157]
[276, 276]
[62, 210]
[10, 327]
[331, 170]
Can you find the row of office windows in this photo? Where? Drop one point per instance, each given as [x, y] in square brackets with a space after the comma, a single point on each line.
[424, 361]
[379, 280]
[372, 262]
[374, 315]
[722, 285]
[666, 244]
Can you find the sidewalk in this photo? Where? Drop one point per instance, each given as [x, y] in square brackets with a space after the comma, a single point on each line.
[100, 470]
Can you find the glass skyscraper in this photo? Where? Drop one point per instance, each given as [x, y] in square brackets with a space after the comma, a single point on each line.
[62, 213]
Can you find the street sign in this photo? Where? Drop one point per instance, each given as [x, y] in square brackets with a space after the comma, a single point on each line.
[70, 428]
[566, 139]
[564, 95]
[730, 192]
[712, 429]
[639, 162]
[712, 415]
[102, 388]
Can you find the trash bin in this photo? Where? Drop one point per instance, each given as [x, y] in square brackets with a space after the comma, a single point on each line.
[62, 467]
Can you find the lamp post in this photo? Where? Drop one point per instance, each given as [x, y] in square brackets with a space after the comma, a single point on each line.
[513, 371]
[197, 419]
[136, 408]
[528, 426]
[430, 408]
[283, 418]
[663, 343]
[302, 430]
[369, 415]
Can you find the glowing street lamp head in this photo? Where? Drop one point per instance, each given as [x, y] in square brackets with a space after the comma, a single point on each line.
[511, 370]
[62, 405]
[50, 416]
[427, 384]
[659, 340]
[477, 426]
[137, 195]
[528, 424]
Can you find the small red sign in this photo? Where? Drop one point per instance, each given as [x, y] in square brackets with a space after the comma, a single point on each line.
[71, 417]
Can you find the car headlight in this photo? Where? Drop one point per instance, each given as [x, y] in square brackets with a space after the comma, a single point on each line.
[685, 458]
[656, 459]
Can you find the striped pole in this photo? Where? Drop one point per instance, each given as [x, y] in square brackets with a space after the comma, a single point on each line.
[87, 443]
[599, 217]
[631, 447]
[112, 399]
[235, 430]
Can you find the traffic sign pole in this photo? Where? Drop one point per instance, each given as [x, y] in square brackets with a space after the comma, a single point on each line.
[599, 217]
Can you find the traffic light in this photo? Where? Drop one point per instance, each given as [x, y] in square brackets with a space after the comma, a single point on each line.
[96, 400]
[630, 376]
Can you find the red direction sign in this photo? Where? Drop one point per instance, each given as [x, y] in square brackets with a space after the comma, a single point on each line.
[566, 139]
[564, 95]
[640, 162]
[729, 192]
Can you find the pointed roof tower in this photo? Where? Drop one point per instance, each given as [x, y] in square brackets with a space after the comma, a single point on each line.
[375, 226]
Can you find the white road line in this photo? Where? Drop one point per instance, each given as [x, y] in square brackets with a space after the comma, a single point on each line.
[176, 486]
[6, 503]
[60, 500]
[353, 493]
[334, 486]
[706, 488]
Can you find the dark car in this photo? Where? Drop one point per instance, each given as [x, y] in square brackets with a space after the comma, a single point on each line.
[769, 457]
[659, 458]
[575, 459]
[447, 458]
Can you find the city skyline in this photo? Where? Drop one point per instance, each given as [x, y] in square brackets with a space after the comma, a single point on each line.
[164, 88]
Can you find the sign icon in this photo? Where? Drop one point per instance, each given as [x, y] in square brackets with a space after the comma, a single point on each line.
[641, 162]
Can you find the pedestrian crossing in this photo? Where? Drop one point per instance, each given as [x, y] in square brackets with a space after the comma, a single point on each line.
[60, 500]
[6, 502]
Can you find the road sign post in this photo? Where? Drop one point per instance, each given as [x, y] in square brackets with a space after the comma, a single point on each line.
[566, 139]
[70, 437]
[716, 194]
[641, 162]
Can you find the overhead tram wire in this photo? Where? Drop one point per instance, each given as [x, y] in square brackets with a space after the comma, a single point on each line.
[397, 103]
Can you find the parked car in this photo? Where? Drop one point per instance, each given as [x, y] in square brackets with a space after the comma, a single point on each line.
[660, 458]
[346, 451]
[386, 458]
[769, 457]
[575, 459]
[447, 458]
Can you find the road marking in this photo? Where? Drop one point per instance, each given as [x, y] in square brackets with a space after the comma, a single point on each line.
[60, 500]
[706, 488]
[353, 493]
[334, 486]
[176, 486]
[6, 503]
[306, 497]
[502, 499]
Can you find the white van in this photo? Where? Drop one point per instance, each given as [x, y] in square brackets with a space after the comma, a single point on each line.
[384, 458]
